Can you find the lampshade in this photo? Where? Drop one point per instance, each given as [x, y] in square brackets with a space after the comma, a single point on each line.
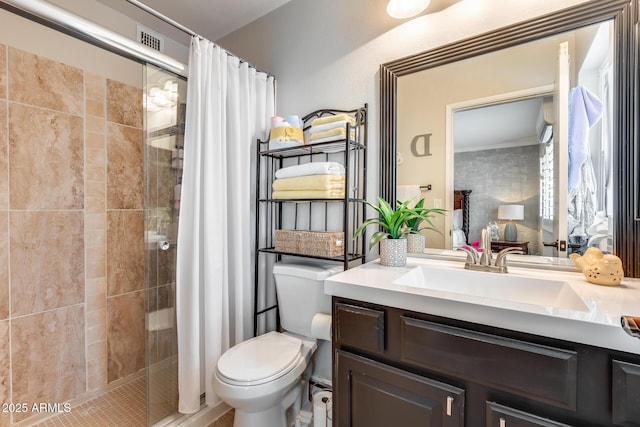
[511, 212]
[402, 9]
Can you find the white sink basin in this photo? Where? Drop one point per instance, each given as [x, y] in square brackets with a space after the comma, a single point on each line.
[469, 285]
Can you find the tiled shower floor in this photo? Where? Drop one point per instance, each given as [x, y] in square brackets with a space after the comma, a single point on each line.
[123, 406]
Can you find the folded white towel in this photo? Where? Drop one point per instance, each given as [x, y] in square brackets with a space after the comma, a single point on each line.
[327, 126]
[316, 168]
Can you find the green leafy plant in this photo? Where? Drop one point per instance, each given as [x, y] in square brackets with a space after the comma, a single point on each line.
[392, 221]
[424, 216]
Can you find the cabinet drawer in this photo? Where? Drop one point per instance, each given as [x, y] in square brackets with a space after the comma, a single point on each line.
[626, 394]
[498, 362]
[360, 327]
[372, 394]
[502, 416]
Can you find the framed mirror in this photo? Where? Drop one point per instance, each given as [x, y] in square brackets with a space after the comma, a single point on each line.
[620, 19]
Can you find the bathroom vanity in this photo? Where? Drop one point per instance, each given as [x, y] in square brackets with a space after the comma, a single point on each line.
[432, 344]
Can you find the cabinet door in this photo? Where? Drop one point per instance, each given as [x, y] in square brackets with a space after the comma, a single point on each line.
[626, 394]
[371, 394]
[502, 416]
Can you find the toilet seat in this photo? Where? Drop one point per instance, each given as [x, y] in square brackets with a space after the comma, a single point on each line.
[259, 360]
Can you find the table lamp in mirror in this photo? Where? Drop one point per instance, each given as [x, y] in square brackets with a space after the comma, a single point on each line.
[511, 213]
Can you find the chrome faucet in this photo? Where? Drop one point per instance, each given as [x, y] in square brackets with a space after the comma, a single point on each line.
[484, 261]
[485, 245]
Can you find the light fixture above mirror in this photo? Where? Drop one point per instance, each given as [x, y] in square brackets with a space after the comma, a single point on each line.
[402, 9]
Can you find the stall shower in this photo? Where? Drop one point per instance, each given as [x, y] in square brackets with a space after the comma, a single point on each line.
[89, 198]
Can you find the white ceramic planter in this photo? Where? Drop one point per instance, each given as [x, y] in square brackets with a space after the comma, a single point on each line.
[415, 243]
[393, 252]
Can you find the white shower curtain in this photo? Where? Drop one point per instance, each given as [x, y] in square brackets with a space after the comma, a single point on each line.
[229, 106]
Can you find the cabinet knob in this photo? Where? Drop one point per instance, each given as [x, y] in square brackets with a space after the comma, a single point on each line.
[503, 423]
[449, 404]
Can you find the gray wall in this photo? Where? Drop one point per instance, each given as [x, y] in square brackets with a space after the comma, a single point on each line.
[501, 176]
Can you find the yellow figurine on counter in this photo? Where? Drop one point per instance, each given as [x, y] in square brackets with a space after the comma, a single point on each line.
[599, 268]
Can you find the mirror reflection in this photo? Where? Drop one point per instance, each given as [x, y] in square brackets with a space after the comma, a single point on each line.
[518, 139]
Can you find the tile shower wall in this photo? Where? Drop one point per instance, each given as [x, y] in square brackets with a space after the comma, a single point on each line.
[499, 176]
[71, 231]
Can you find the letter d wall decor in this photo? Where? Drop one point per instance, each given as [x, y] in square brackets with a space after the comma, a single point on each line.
[421, 141]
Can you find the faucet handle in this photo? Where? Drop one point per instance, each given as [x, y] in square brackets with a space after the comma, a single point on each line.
[472, 254]
[501, 259]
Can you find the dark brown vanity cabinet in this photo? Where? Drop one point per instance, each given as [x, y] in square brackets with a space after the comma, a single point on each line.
[393, 367]
[375, 394]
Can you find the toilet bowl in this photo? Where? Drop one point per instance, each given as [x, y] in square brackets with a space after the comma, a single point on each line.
[263, 378]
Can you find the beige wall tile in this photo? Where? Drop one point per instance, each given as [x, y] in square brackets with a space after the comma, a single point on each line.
[96, 334]
[125, 252]
[97, 373]
[95, 237]
[96, 253]
[55, 368]
[4, 157]
[125, 332]
[46, 165]
[3, 71]
[95, 204]
[97, 350]
[5, 395]
[124, 104]
[4, 265]
[95, 108]
[97, 318]
[94, 86]
[96, 141]
[36, 80]
[96, 269]
[96, 302]
[96, 286]
[95, 124]
[47, 260]
[96, 189]
[96, 156]
[124, 168]
[97, 173]
[95, 221]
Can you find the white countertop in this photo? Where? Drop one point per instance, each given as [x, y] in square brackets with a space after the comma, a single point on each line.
[598, 324]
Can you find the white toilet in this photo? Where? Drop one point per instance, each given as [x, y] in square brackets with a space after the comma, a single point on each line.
[262, 378]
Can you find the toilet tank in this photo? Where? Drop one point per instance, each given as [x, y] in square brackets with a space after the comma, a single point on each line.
[300, 290]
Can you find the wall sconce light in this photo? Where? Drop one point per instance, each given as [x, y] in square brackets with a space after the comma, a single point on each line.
[402, 9]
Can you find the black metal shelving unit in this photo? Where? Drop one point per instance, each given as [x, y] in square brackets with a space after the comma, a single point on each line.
[344, 214]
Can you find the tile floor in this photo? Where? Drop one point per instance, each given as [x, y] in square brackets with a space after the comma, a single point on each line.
[123, 406]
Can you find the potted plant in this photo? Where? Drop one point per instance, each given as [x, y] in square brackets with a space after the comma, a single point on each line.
[415, 239]
[392, 237]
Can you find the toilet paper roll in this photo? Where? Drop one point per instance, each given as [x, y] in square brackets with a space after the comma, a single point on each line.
[321, 326]
[322, 409]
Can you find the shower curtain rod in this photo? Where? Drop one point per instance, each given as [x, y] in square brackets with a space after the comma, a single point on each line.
[184, 29]
[48, 14]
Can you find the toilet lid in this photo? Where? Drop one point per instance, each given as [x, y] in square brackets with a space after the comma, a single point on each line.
[261, 359]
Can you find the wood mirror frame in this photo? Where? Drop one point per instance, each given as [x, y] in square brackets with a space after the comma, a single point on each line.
[624, 14]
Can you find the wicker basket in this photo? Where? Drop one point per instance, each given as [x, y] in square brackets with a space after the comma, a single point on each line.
[327, 244]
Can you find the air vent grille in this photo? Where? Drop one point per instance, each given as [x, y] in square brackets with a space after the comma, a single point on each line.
[150, 39]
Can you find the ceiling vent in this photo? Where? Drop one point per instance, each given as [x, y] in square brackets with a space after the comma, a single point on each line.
[150, 38]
